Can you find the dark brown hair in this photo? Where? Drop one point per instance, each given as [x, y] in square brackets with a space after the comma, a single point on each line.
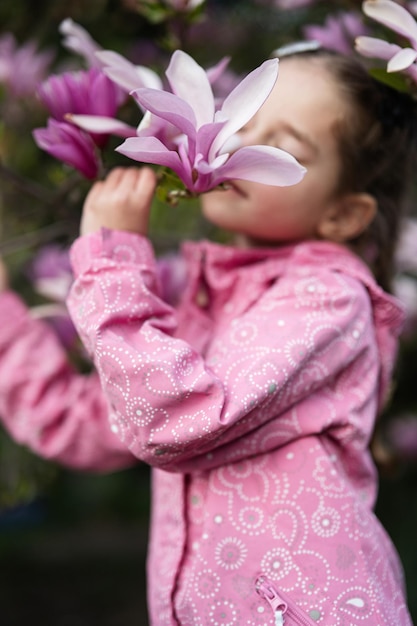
[378, 143]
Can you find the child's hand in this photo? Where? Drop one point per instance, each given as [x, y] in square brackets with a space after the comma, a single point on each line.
[121, 202]
[4, 283]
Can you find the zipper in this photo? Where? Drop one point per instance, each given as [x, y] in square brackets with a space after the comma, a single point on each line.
[279, 604]
[266, 590]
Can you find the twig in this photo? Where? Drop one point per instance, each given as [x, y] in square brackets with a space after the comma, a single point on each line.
[32, 239]
[26, 185]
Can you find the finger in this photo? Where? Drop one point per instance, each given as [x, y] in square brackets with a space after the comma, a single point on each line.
[94, 194]
[129, 178]
[145, 183]
[114, 178]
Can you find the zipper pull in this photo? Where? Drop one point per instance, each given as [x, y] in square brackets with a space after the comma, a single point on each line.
[267, 591]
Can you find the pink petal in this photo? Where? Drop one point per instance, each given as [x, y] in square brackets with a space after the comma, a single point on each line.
[205, 137]
[213, 73]
[78, 40]
[189, 81]
[262, 164]
[70, 145]
[393, 16]
[168, 106]
[125, 74]
[151, 150]
[103, 95]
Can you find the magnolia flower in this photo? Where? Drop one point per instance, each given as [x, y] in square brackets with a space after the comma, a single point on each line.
[398, 19]
[402, 436]
[121, 71]
[84, 93]
[338, 32]
[172, 276]
[199, 154]
[51, 276]
[78, 40]
[293, 4]
[69, 144]
[90, 99]
[22, 68]
[131, 77]
[126, 74]
[50, 272]
[406, 252]
[405, 289]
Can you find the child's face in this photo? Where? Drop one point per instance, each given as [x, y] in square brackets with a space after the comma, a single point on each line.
[300, 117]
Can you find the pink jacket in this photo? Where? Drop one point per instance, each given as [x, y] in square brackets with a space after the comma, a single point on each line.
[254, 402]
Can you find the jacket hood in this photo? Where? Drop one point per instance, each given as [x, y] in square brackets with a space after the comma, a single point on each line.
[222, 262]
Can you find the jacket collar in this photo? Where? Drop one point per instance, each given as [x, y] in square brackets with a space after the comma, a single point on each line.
[222, 267]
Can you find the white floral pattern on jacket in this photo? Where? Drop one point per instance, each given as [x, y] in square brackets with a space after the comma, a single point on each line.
[255, 402]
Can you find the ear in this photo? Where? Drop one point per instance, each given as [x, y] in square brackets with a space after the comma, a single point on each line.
[348, 217]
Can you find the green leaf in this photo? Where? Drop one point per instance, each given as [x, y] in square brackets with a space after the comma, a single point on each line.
[395, 80]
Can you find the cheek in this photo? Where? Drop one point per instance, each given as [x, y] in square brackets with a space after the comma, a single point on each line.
[218, 207]
[210, 202]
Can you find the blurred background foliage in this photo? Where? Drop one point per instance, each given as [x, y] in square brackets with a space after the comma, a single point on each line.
[72, 546]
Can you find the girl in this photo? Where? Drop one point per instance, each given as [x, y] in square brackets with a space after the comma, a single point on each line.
[254, 400]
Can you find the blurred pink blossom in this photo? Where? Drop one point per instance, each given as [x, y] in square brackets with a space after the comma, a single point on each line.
[405, 289]
[50, 272]
[292, 4]
[338, 32]
[406, 254]
[51, 276]
[22, 68]
[57, 316]
[119, 69]
[87, 92]
[402, 436]
[172, 276]
[70, 145]
[78, 40]
[412, 7]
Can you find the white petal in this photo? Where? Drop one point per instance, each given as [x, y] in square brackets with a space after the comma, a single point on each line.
[393, 16]
[402, 60]
[263, 164]
[376, 48]
[102, 124]
[124, 73]
[189, 81]
[78, 40]
[245, 100]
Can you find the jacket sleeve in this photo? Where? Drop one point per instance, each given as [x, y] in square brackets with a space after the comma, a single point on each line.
[174, 408]
[45, 404]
